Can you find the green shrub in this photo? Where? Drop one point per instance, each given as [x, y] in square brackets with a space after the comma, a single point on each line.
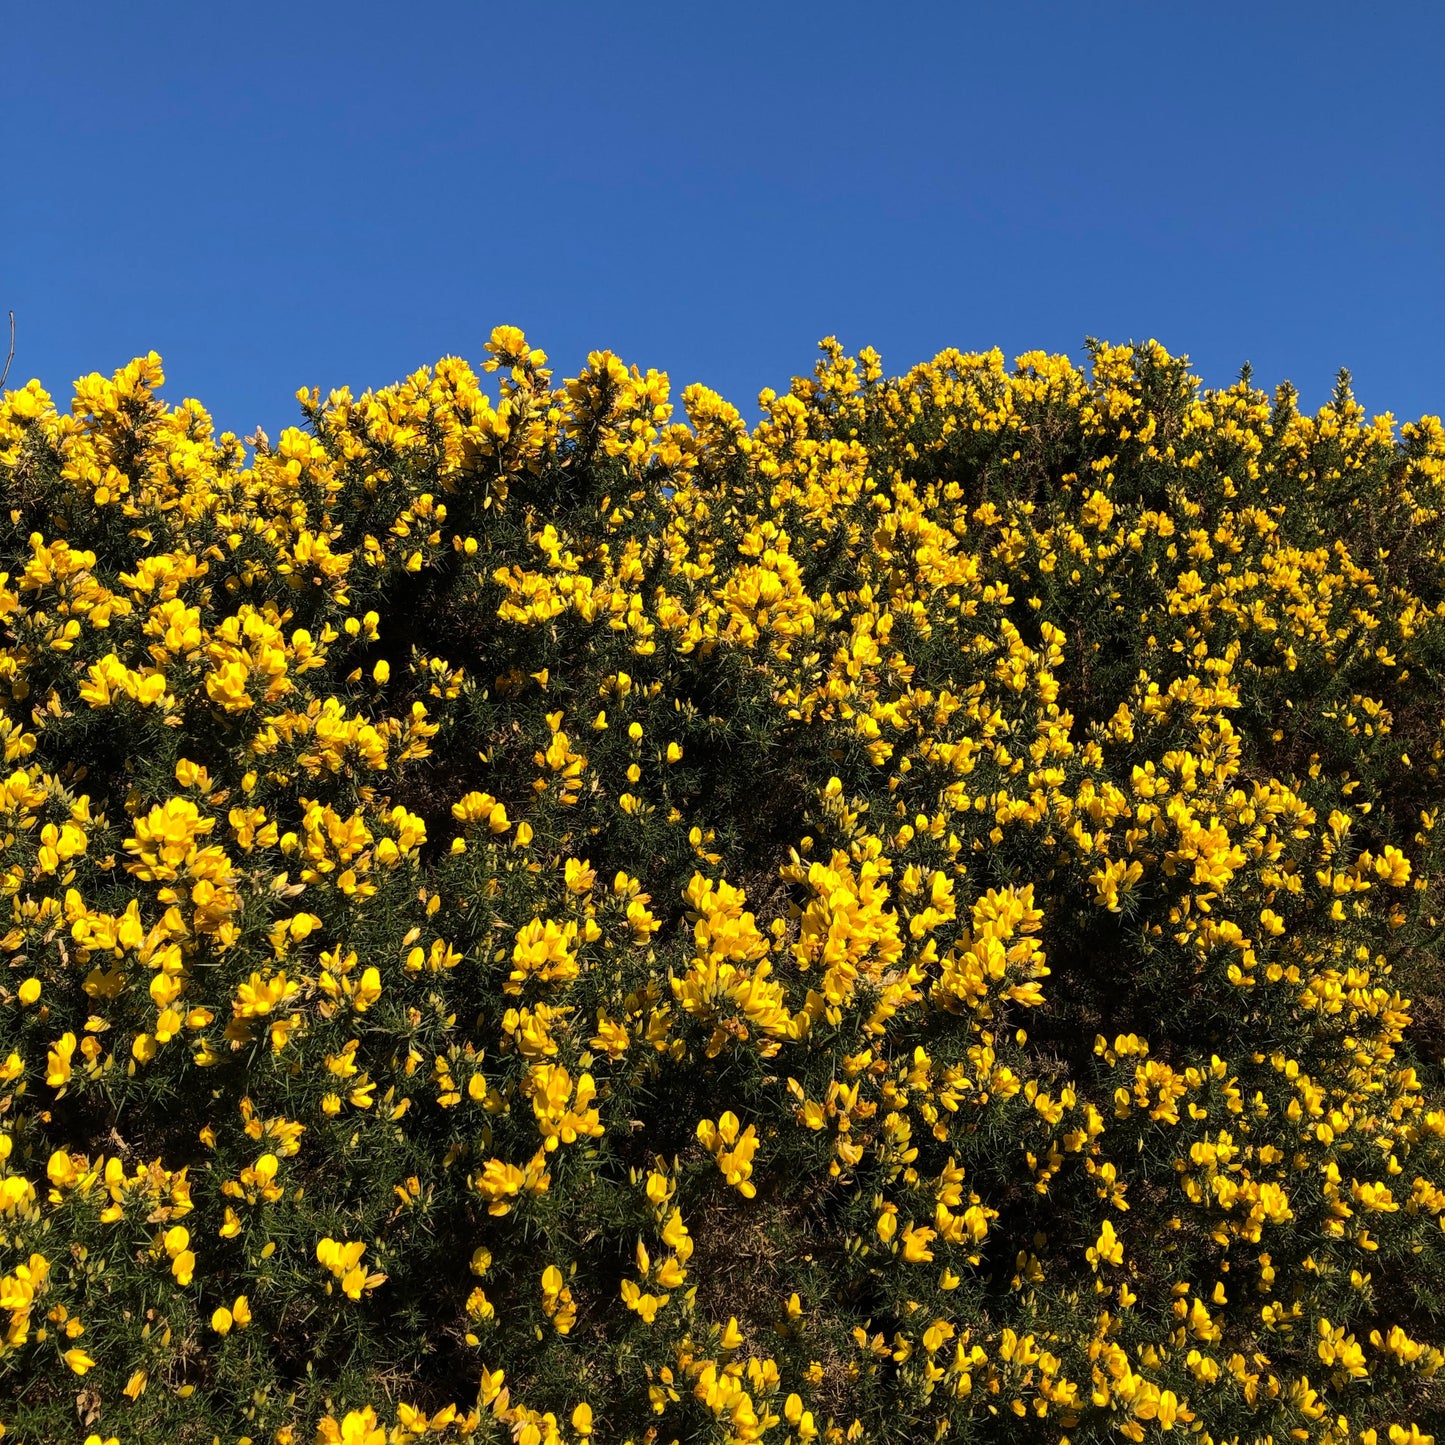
[529, 919]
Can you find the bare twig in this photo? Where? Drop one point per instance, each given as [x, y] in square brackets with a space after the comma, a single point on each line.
[11, 357]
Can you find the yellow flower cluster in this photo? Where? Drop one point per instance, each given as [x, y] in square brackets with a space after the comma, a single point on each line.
[913, 920]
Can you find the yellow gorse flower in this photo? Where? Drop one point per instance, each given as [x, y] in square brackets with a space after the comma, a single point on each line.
[343, 1259]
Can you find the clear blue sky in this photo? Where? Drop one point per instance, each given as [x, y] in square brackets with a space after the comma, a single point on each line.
[275, 195]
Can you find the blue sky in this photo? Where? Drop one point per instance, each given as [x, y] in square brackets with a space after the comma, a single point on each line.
[275, 195]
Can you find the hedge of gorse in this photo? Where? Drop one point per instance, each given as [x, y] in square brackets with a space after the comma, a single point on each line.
[531, 919]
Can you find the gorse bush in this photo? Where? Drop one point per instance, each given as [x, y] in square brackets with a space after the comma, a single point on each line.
[530, 920]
